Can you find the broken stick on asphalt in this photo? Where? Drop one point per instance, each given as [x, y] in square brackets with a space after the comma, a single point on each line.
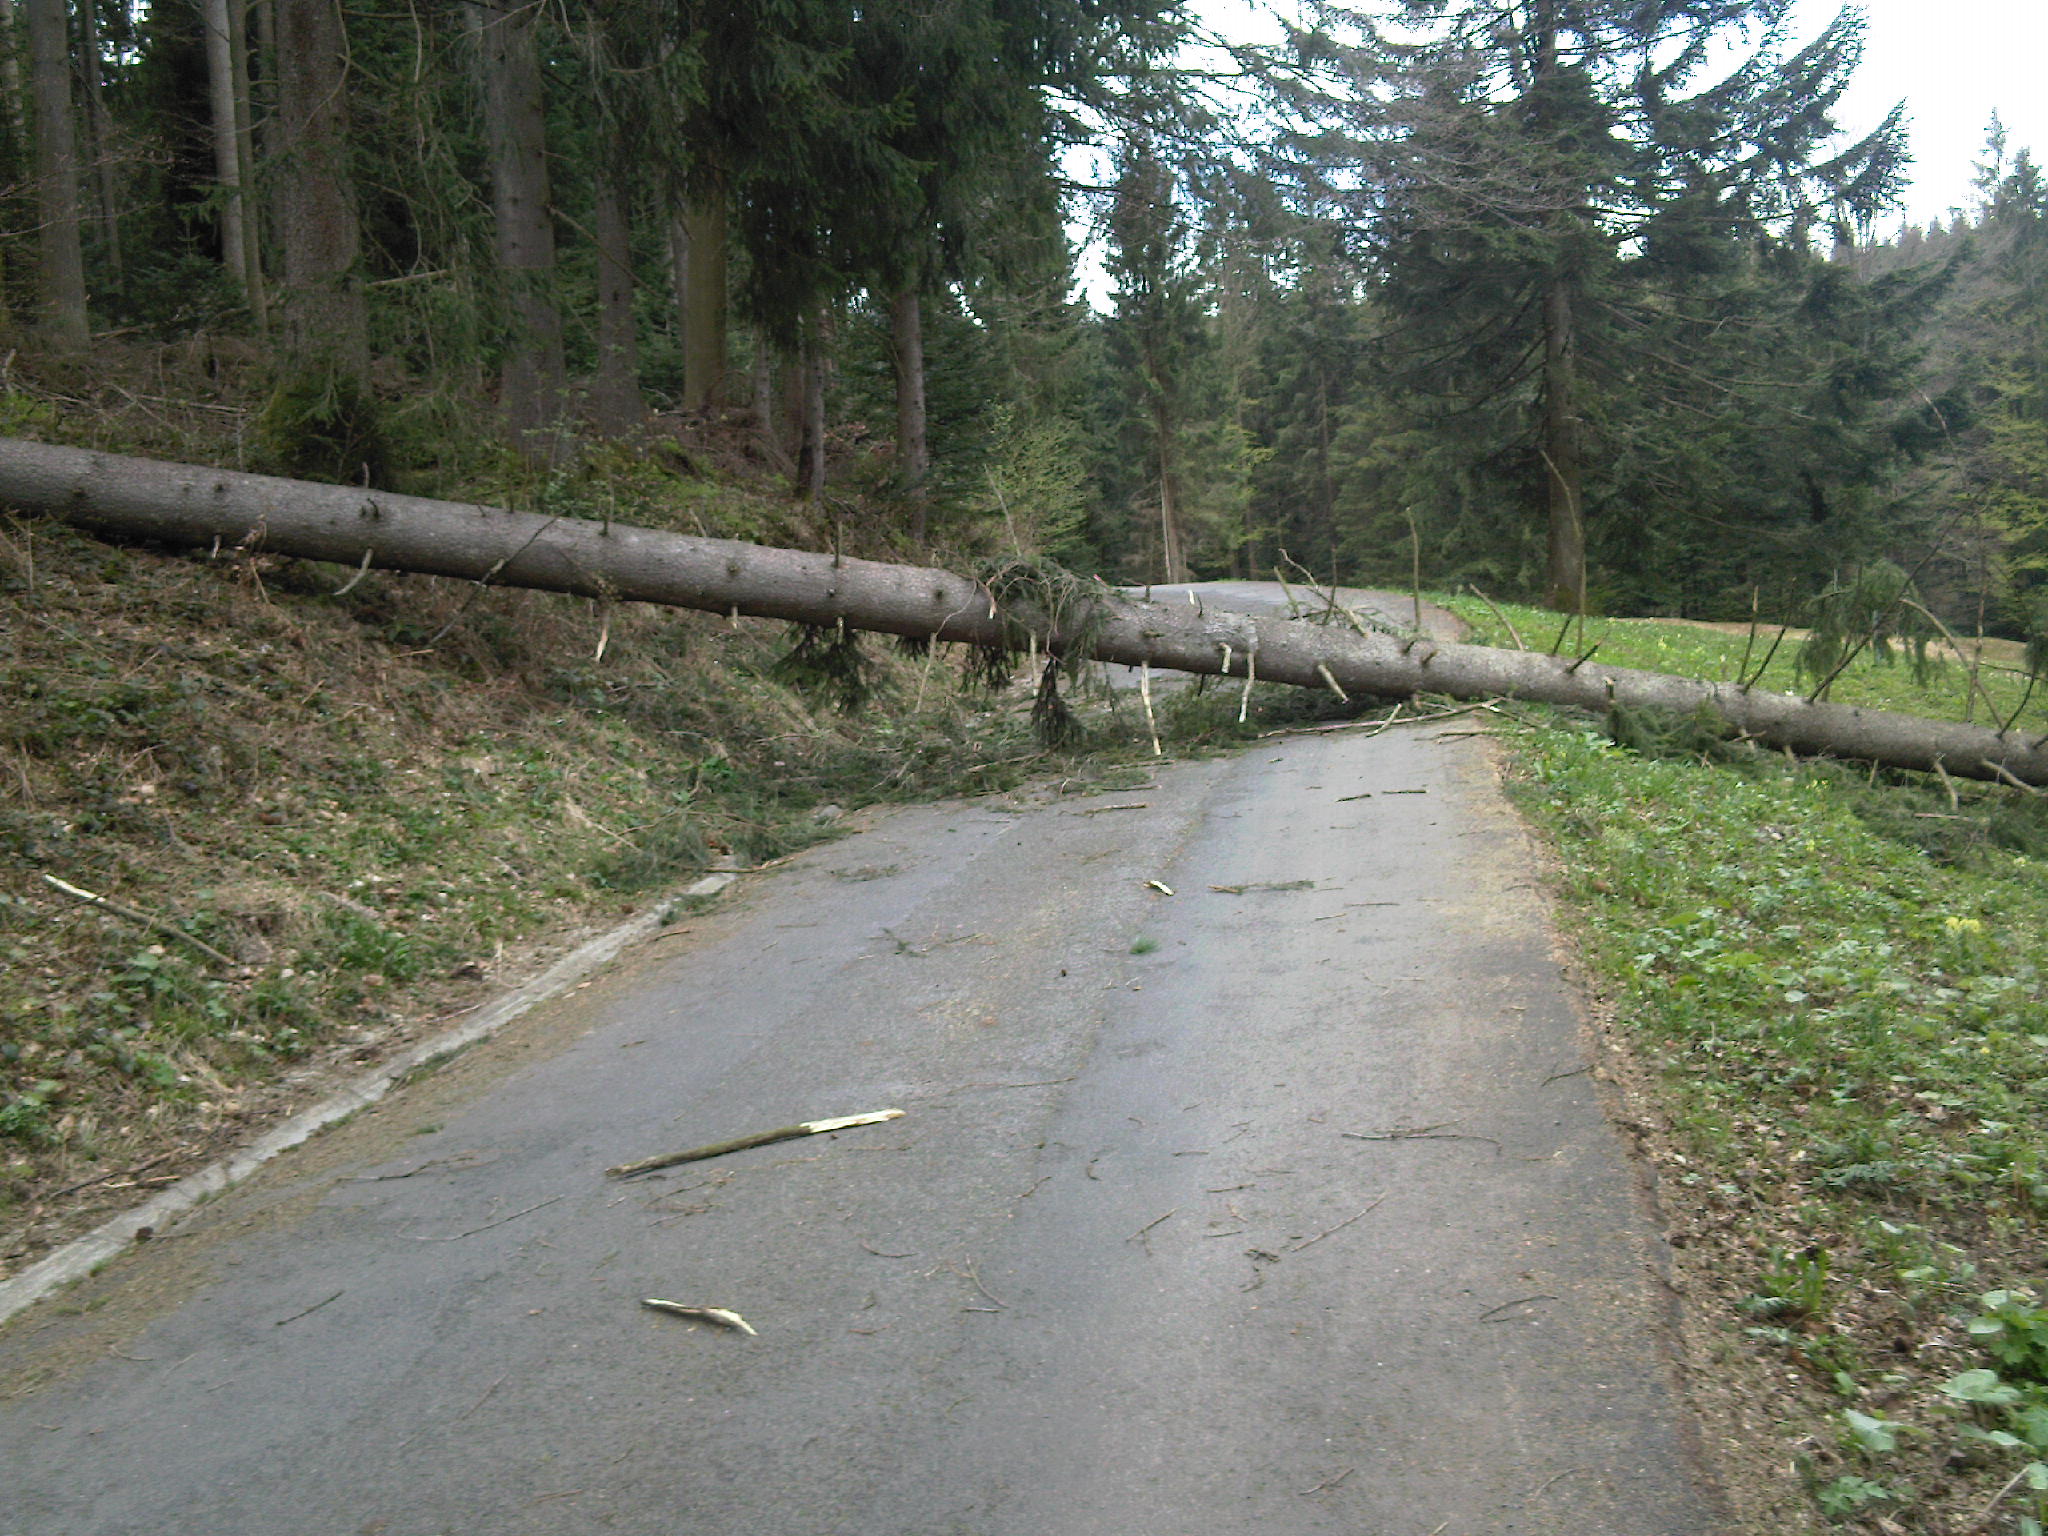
[759, 1139]
[725, 1317]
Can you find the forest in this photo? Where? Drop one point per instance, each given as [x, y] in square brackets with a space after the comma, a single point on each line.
[1575, 303]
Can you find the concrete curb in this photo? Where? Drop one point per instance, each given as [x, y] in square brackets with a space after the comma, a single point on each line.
[82, 1256]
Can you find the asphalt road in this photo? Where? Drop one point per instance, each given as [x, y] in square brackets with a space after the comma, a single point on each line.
[1281, 1203]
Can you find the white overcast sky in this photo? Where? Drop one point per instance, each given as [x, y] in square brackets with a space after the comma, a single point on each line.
[1953, 62]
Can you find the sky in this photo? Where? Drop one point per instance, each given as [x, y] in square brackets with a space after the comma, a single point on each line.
[1953, 62]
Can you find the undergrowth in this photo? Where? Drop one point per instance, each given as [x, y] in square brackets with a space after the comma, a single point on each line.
[1836, 981]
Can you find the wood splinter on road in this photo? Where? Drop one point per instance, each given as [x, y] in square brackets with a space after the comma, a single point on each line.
[758, 1139]
[725, 1317]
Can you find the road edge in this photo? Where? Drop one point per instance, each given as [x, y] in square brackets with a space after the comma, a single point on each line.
[84, 1255]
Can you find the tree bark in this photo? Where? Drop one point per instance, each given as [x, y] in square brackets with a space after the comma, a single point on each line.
[1566, 583]
[533, 378]
[99, 134]
[704, 385]
[227, 140]
[913, 447]
[678, 242]
[1171, 554]
[1558, 434]
[190, 506]
[767, 408]
[10, 77]
[60, 258]
[326, 320]
[227, 85]
[256, 290]
[810, 484]
[616, 404]
[17, 130]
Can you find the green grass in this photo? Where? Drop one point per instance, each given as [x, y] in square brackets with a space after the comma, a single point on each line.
[1954, 689]
[1834, 982]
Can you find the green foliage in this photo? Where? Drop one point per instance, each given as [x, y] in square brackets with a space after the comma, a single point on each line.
[1034, 596]
[655, 855]
[1036, 486]
[323, 425]
[1667, 733]
[1874, 1435]
[1876, 611]
[1591, 288]
[1791, 1287]
[1847, 1497]
[827, 662]
[2012, 1328]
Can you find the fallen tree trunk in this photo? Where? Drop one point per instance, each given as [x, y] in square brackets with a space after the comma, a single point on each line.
[182, 504]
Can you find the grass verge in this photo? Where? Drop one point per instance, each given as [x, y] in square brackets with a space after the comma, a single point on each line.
[1831, 985]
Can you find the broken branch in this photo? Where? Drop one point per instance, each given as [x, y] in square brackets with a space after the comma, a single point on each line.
[725, 1317]
[1311, 1241]
[108, 904]
[758, 1139]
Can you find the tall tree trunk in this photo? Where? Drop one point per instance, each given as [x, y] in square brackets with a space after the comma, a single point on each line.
[184, 504]
[99, 125]
[1558, 433]
[60, 260]
[616, 405]
[326, 321]
[811, 456]
[255, 290]
[227, 141]
[678, 243]
[789, 399]
[1169, 525]
[10, 79]
[1172, 557]
[704, 384]
[767, 409]
[1566, 581]
[17, 138]
[1326, 483]
[534, 374]
[913, 446]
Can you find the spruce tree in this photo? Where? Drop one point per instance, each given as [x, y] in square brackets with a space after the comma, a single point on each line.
[1511, 162]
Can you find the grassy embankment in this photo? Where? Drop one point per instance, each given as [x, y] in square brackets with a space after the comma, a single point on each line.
[353, 807]
[1832, 984]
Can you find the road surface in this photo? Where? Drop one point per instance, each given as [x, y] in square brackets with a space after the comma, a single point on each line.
[1280, 1203]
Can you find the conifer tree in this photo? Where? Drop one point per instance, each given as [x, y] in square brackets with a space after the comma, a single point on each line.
[1157, 326]
[533, 373]
[1510, 161]
[61, 259]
